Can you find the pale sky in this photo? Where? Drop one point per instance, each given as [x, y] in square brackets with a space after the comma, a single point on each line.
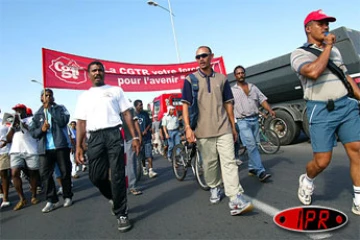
[243, 32]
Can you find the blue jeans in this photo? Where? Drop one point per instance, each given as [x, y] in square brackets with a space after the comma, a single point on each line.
[249, 133]
[174, 139]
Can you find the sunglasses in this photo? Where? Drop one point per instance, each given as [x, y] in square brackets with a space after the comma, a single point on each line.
[203, 55]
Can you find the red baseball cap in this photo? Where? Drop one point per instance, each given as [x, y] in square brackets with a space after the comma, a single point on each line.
[19, 105]
[318, 15]
[29, 111]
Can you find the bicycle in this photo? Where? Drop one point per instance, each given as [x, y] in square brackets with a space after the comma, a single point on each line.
[269, 141]
[186, 155]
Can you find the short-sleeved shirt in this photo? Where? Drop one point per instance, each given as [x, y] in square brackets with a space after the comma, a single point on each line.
[144, 122]
[23, 142]
[247, 105]
[101, 107]
[214, 91]
[156, 126]
[328, 85]
[171, 122]
[3, 132]
[127, 133]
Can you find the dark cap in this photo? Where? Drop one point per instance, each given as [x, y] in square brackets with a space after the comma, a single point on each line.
[46, 90]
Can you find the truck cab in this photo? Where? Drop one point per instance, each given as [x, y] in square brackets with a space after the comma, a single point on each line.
[160, 104]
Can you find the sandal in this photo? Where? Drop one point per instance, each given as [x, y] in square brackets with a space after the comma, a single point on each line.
[135, 192]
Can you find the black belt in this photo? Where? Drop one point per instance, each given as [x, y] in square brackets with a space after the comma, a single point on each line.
[175, 129]
[251, 116]
[105, 129]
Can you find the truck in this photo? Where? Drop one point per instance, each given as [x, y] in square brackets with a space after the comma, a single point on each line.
[161, 102]
[284, 91]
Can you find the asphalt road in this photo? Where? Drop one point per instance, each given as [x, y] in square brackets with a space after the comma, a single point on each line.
[169, 209]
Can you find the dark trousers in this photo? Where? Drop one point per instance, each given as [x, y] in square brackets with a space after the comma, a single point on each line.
[47, 163]
[106, 151]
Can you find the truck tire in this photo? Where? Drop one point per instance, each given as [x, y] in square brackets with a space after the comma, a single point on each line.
[284, 126]
[305, 124]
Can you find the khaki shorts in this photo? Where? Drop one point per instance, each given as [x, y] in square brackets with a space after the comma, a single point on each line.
[18, 160]
[4, 161]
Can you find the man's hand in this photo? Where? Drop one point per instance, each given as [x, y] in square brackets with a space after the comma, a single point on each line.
[79, 155]
[3, 143]
[190, 136]
[167, 136]
[272, 113]
[235, 134]
[330, 39]
[45, 126]
[135, 144]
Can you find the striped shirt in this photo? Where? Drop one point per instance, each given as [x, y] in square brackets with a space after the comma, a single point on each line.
[247, 105]
[328, 85]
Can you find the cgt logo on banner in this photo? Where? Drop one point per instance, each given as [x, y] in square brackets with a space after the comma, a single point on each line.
[67, 70]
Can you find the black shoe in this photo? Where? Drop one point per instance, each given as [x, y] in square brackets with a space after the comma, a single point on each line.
[252, 172]
[263, 176]
[124, 224]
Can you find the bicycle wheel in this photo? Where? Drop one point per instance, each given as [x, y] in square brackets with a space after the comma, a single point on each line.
[269, 142]
[199, 171]
[179, 162]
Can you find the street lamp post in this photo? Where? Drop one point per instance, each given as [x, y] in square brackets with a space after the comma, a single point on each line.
[36, 81]
[155, 4]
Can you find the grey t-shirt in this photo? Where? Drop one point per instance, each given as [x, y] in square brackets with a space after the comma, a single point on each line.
[156, 126]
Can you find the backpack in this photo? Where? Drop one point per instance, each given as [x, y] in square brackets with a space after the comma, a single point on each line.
[194, 109]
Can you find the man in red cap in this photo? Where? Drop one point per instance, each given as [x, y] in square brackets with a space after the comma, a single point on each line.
[23, 153]
[330, 110]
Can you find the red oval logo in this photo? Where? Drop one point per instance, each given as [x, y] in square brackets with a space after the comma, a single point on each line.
[310, 219]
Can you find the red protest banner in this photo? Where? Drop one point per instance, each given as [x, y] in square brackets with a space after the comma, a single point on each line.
[68, 71]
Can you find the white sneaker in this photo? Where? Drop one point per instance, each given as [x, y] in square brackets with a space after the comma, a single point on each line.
[305, 191]
[355, 208]
[67, 202]
[215, 196]
[152, 174]
[49, 207]
[240, 205]
[145, 171]
[60, 191]
[5, 204]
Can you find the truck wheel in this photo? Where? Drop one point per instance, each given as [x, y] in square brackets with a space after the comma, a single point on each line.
[284, 126]
[305, 124]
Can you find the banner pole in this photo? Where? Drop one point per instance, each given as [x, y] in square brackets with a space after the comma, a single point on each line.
[43, 73]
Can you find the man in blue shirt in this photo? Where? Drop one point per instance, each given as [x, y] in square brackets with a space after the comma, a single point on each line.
[146, 147]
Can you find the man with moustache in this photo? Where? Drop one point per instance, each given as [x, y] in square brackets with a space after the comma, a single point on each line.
[215, 132]
[98, 113]
[247, 100]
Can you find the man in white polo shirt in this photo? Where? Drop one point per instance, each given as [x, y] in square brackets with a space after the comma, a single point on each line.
[97, 112]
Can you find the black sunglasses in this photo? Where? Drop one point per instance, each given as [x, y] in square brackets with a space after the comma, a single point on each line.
[203, 55]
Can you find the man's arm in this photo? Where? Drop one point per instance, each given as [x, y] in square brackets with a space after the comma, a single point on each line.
[138, 130]
[80, 137]
[267, 107]
[127, 116]
[59, 115]
[229, 107]
[315, 69]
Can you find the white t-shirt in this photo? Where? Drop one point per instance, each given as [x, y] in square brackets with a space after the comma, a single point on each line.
[3, 132]
[23, 142]
[101, 106]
